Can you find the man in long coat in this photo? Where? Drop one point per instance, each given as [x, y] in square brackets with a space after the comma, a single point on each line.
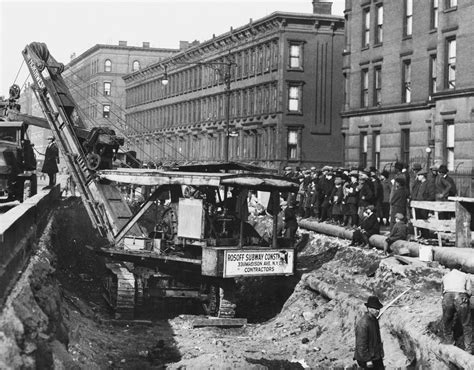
[369, 352]
[51, 160]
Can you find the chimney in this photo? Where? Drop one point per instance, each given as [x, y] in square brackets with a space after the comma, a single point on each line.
[146, 45]
[122, 43]
[322, 7]
[183, 45]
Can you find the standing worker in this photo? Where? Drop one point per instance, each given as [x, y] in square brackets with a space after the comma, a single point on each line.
[51, 160]
[456, 288]
[369, 352]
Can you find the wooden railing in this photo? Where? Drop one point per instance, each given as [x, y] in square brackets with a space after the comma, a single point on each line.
[454, 223]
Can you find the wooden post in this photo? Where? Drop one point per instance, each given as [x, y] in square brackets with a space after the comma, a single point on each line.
[463, 226]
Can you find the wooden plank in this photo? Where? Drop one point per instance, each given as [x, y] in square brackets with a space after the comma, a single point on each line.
[434, 206]
[219, 322]
[463, 226]
[436, 225]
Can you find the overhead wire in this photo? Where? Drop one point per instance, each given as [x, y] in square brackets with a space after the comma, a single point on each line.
[112, 112]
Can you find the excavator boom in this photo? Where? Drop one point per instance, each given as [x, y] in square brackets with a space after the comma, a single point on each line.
[85, 150]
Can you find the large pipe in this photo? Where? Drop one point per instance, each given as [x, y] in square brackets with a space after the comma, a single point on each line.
[426, 344]
[451, 257]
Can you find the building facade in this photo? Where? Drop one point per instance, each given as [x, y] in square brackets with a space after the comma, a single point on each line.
[96, 84]
[267, 93]
[409, 83]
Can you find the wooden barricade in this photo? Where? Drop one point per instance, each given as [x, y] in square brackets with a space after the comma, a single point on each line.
[443, 227]
[464, 221]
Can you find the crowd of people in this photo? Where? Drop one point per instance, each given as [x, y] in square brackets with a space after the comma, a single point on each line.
[366, 198]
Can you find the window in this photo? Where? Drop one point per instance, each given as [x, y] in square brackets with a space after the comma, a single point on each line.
[434, 14]
[376, 159]
[108, 66]
[135, 66]
[363, 149]
[106, 111]
[379, 24]
[366, 28]
[107, 88]
[364, 82]
[406, 82]
[405, 145]
[451, 63]
[292, 144]
[433, 73]
[408, 20]
[296, 60]
[294, 98]
[451, 3]
[378, 85]
[449, 144]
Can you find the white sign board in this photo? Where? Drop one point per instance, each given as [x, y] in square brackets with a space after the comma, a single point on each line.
[190, 218]
[258, 262]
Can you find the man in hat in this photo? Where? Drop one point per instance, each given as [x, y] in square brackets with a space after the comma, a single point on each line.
[398, 199]
[51, 160]
[369, 225]
[351, 197]
[326, 184]
[398, 232]
[290, 224]
[369, 352]
[456, 289]
[387, 190]
[445, 186]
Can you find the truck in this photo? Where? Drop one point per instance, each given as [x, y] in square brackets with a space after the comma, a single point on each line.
[201, 242]
[17, 158]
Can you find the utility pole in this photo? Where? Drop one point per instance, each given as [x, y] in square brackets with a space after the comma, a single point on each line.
[227, 79]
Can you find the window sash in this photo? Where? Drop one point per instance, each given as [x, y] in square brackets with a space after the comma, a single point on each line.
[295, 56]
[294, 98]
[451, 63]
[366, 28]
[450, 135]
[379, 31]
[408, 17]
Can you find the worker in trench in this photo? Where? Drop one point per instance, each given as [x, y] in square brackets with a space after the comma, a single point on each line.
[456, 289]
[369, 352]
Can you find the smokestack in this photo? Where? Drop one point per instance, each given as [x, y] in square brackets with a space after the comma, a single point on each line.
[322, 7]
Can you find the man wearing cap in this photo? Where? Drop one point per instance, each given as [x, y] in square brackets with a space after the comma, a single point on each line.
[456, 289]
[369, 352]
[351, 197]
[398, 232]
[51, 160]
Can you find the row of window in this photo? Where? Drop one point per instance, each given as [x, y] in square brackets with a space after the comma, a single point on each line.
[448, 146]
[406, 80]
[245, 102]
[248, 144]
[407, 20]
[245, 64]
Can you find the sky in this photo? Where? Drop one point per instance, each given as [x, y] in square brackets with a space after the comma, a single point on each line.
[73, 26]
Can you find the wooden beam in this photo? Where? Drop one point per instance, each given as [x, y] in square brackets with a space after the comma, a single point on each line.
[219, 322]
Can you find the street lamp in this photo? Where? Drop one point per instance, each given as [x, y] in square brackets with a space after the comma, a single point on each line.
[227, 79]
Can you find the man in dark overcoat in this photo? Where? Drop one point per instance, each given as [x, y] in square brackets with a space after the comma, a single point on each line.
[51, 160]
[369, 352]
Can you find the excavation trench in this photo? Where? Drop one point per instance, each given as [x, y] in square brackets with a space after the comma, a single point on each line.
[57, 316]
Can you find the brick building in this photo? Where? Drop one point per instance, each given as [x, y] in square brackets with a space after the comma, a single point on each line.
[409, 83]
[95, 79]
[272, 88]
